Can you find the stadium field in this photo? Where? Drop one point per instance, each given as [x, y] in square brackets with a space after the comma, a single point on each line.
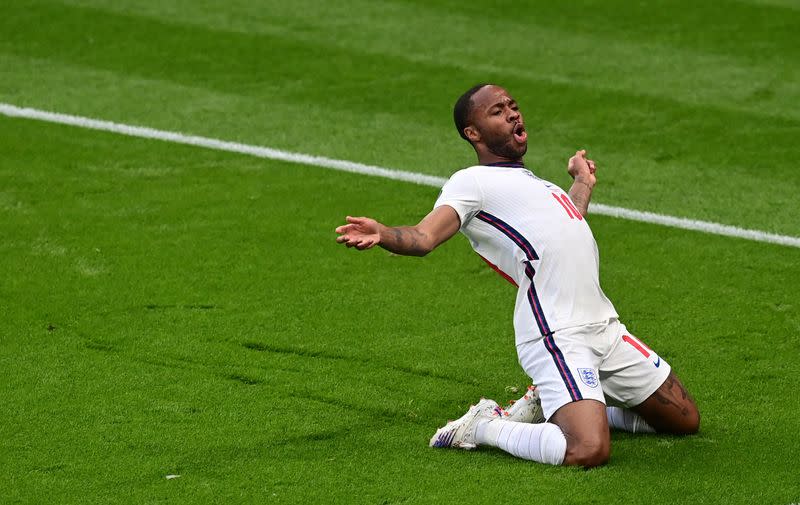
[178, 325]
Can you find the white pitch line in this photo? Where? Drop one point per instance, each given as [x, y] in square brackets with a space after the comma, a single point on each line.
[359, 168]
[219, 145]
[694, 224]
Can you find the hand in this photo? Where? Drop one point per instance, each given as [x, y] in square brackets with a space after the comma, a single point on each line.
[582, 169]
[361, 233]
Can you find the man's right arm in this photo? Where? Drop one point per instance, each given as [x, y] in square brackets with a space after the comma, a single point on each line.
[582, 171]
[438, 226]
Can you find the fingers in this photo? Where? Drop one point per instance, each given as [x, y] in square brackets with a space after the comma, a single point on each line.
[359, 242]
[354, 223]
[579, 156]
[365, 244]
[348, 240]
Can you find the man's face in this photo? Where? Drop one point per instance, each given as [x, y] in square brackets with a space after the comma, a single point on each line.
[496, 117]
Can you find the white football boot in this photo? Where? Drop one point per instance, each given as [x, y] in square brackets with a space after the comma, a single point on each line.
[527, 409]
[460, 434]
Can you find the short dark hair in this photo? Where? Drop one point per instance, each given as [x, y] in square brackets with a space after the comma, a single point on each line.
[463, 109]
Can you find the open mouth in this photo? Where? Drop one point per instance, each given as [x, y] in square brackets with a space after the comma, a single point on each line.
[520, 135]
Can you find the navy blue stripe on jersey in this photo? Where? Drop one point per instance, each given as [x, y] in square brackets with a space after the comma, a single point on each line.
[530, 253]
[538, 313]
[563, 369]
[529, 271]
[533, 299]
[536, 307]
[510, 164]
[509, 232]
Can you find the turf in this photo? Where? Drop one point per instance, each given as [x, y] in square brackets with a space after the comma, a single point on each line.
[169, 310]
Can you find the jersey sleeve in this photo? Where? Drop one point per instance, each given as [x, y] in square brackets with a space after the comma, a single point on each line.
[463, 193]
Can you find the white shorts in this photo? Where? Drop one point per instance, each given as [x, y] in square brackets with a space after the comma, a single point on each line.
[598, 362]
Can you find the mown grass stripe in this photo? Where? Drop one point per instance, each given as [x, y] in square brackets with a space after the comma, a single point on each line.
[359, 168]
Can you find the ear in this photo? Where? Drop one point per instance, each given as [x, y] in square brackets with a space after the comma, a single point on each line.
[472, 134]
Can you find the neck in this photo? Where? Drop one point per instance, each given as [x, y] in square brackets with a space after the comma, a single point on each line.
[487, 157]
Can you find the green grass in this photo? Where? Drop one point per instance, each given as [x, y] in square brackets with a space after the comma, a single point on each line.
[173, 310]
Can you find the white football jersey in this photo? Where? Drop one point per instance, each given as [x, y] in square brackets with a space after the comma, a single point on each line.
[529, 230]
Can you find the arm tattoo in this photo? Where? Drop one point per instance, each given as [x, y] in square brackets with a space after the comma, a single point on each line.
[581, 193]
[398, 236]
[406, 240]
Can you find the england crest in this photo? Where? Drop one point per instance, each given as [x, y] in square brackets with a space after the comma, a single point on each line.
[588, 377]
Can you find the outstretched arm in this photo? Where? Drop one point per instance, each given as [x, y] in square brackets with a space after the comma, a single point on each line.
[363, 233]
[582, 170]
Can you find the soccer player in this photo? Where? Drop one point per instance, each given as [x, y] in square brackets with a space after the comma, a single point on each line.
[568, 335]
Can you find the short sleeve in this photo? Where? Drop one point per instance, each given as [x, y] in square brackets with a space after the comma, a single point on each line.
[463, 194]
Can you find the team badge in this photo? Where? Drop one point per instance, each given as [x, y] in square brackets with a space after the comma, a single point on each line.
[588, 377]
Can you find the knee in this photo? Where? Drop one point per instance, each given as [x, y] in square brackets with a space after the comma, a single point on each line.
[691, 422]
[588, 453]
[687, 424]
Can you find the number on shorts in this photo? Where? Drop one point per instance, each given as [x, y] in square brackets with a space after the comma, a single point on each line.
[638, 344]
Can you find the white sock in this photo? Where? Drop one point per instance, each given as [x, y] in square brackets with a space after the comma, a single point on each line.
[627, 420]
[542, 442]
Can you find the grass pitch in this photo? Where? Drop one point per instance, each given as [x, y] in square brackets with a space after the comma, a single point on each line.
[168, 310]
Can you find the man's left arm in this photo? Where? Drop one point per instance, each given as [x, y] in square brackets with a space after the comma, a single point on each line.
[582, 171]
[437, 227]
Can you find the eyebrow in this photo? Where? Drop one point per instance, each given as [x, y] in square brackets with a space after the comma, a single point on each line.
[511, 102]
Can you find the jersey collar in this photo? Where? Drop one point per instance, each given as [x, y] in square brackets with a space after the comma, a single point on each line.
[509, 164]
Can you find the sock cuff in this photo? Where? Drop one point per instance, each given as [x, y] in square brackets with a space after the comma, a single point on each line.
[553, 444]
